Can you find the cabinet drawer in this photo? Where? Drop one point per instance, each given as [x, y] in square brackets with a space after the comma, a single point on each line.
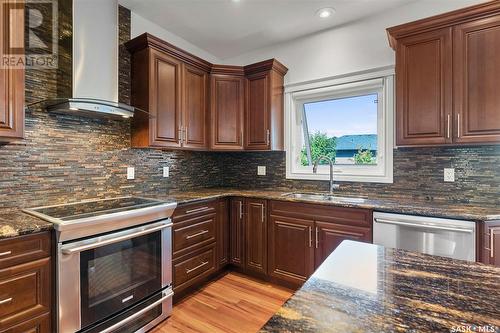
[184, 212]
[19, 250]
[196, 265]
[40, 324]
[339, 215]
[193, 233]
[25, 291]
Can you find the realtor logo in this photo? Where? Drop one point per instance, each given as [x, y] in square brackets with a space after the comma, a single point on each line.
[32, 34]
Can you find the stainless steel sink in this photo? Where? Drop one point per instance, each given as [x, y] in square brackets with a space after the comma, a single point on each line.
[323, 197]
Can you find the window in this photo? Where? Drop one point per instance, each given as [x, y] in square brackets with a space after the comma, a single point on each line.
[349, 120]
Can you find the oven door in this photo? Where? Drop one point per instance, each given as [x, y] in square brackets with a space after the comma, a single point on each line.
[101, 276]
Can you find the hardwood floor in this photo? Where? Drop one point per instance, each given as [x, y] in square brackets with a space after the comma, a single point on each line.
[233, 303]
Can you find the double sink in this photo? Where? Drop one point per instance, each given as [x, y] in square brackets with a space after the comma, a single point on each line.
[323, 197]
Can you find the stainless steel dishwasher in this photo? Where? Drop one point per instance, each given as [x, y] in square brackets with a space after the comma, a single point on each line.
[436, 236]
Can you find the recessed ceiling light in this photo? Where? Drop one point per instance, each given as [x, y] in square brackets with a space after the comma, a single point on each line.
[325, 12]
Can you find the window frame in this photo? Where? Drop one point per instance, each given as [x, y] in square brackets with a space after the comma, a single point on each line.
[380, 81]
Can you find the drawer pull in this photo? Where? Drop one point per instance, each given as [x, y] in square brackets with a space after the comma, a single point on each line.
[196, 210]
[5, 301]
[197, 234]
[3, 254]
[197, 267]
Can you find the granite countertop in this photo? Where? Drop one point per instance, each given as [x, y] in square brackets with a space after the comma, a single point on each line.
[368, 288]
[14, 222]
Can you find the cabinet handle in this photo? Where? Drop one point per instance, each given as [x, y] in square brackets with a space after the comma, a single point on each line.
[492, 243]
[310, 237]
[268, 137]
[448, 126]
[458, 125]
[185, 134]
[317, 237]
[197, 234]
[197, 267]
[7, 300]
[3, 254]
[262, 213]
[241, 210]
[196, 210]
[180, 135]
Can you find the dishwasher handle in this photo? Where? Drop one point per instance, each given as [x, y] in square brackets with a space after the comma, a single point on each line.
[423, 226]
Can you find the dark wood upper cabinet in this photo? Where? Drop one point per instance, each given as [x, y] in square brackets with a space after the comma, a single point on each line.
[447, 74]
[477, 77]
[11, 79]
[423, 88]
[256, 235]
[264, 115]
[193, 104]
[195, 89]
[227, 107]
[237, 241]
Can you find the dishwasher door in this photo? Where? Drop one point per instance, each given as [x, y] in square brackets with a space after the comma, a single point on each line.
[442, 237]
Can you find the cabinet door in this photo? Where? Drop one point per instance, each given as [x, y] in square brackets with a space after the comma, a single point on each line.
[223, 233]
[476, 81]
[257, 131]
[424, 89]
[256, 236]
[491, 244]
[237, 232]
[11, 80]
[291, 251]
[194, 108]
[165, 103]
[329, 235]
[227, 107]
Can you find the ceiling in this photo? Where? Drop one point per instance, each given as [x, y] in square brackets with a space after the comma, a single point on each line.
[228, 28]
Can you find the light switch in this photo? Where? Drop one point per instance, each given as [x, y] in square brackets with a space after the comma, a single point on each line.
[166, 172]
[130, 173]
[449, 174]
[261, 170]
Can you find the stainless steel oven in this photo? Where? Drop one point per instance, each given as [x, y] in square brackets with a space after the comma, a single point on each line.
[114, 275]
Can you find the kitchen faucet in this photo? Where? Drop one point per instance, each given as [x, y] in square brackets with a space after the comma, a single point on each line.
[330, 161]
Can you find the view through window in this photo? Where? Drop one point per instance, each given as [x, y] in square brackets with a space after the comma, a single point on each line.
[343, 129]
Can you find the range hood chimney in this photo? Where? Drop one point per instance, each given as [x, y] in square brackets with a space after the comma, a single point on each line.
[95, 63]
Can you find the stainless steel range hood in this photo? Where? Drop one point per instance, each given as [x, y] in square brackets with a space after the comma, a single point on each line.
[94, 64]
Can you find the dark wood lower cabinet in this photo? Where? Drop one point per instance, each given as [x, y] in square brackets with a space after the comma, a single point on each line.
[491, 243]
[223, 233]
[236, 249]
[256, 236]
[291, 251]
[328, 236]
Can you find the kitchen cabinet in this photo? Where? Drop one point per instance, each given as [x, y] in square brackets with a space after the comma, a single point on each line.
[172, 86]
[26, 261]
[491, 243]
[12, 79]
[264, 116]
[223, 233]
[291, 251]
[236, 250]
[226, 111]
[256, 236]
[447, 71]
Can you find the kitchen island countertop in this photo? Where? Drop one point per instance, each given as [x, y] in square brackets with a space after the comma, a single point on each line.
[368, 288]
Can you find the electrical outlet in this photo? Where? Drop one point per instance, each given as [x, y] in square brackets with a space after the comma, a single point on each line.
[261, 171]
[130, 173]
[166, 172]
[449, 174]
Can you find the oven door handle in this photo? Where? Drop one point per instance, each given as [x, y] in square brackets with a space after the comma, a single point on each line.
[423, 226]
[139, 313]
[108, 241]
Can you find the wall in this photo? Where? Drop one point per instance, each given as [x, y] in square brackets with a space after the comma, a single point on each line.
[353, 47]
[67, 158]
[141, 25]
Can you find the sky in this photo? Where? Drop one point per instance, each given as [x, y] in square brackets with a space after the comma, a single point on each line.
[335, 117]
